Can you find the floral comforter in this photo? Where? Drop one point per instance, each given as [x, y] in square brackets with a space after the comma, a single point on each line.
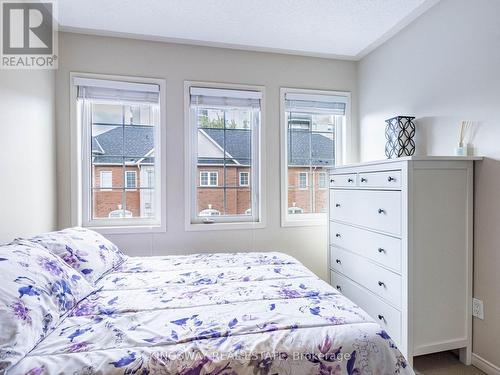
[215, 314]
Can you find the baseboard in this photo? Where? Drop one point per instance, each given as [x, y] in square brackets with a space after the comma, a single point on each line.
[484, 365]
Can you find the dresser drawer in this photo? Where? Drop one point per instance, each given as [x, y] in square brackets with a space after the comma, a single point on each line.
[379, 210]
[385, 179]
[387, 316]
[380, 281]
[380, 248]
[343, 180]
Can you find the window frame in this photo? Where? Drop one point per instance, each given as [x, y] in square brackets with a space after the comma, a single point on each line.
[105, 188]
[209, 179]
[248, 179]
[299, 186]
[325, 185]
[128, 188]
[258, 194]
[80, 198]
[343, 154]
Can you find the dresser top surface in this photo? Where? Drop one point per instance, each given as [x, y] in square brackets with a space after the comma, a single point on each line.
[411, 158]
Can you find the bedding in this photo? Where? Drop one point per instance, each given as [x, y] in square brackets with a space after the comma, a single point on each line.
[87, 251]
[224, 314]
[37, 289]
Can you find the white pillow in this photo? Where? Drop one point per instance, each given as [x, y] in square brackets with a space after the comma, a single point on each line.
[85, 250]
[36, 290]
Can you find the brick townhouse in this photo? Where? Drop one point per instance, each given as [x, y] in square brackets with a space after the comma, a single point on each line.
[227, 177]
[124, 184]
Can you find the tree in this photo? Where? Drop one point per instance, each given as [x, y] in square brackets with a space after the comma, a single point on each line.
[205, 122]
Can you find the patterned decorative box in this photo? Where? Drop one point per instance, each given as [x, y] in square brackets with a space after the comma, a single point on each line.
[400, 133]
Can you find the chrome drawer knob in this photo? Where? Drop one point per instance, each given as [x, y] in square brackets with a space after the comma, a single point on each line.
[381, 211]
[381, 283]
[337, 204]
[339, 288]
[390, 179]
[350, 180]
[363, 179]
[380, 317]
[380, 250]
[338, 261]
[332, 180]
[337, 235]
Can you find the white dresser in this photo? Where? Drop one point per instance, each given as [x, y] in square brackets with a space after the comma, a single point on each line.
[400, 235]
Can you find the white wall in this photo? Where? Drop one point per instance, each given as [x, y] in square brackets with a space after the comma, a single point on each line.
[27, 153]
[177, 63]
[444, 68]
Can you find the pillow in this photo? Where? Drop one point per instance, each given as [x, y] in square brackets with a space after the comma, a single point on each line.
[85, 250]
[37, 288]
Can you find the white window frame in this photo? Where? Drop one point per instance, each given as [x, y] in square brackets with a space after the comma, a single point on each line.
[80, 199]
[325, 174]
[248, 179]
[343, 154]
[128, 188]
[258, 173]
[299, 186]
[209, 179]
[105, 188]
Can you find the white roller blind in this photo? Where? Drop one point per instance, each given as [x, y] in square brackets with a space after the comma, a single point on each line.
[89, 88]
[315, 103]
[209, 97]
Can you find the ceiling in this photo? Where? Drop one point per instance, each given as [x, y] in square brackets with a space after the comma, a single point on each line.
[329, 28]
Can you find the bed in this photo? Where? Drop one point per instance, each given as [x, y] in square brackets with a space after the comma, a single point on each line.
[228, 313]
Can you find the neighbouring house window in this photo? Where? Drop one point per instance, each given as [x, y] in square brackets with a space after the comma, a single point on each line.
[120, 132]
[295, 210]
[312, 126]
[323, 180]
[244, 178]
[130, 180]
[119, 213]
[225, 135]
[209, 178]
[209, 212]
[150, 177]
[106, 180]
[302, 180]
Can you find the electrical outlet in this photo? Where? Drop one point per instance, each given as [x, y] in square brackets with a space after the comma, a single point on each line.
[477, 308]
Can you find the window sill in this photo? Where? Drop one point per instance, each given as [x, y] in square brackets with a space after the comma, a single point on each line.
[128, 229]
[190, 227]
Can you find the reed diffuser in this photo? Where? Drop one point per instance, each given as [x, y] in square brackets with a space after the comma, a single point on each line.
[463, 148]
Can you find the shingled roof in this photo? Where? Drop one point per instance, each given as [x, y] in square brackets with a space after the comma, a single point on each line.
[300, 143]
[108, 146]
[238, 145]
[139, 142]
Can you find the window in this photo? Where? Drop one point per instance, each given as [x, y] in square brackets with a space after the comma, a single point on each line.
[244, 178]
[119, 213]
[209, 212]
[209, 178]
[323, 180]
[119, 133]
[302, 180]
[106, 180]
[224, 134]
[313, 129]
[295, 210]
[130, 180]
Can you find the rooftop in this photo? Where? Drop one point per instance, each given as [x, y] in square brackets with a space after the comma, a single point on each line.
[137, 144]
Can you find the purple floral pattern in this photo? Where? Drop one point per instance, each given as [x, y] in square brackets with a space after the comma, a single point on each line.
[84, 250]
[21, 312]
[224, 314]
[37, 290]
